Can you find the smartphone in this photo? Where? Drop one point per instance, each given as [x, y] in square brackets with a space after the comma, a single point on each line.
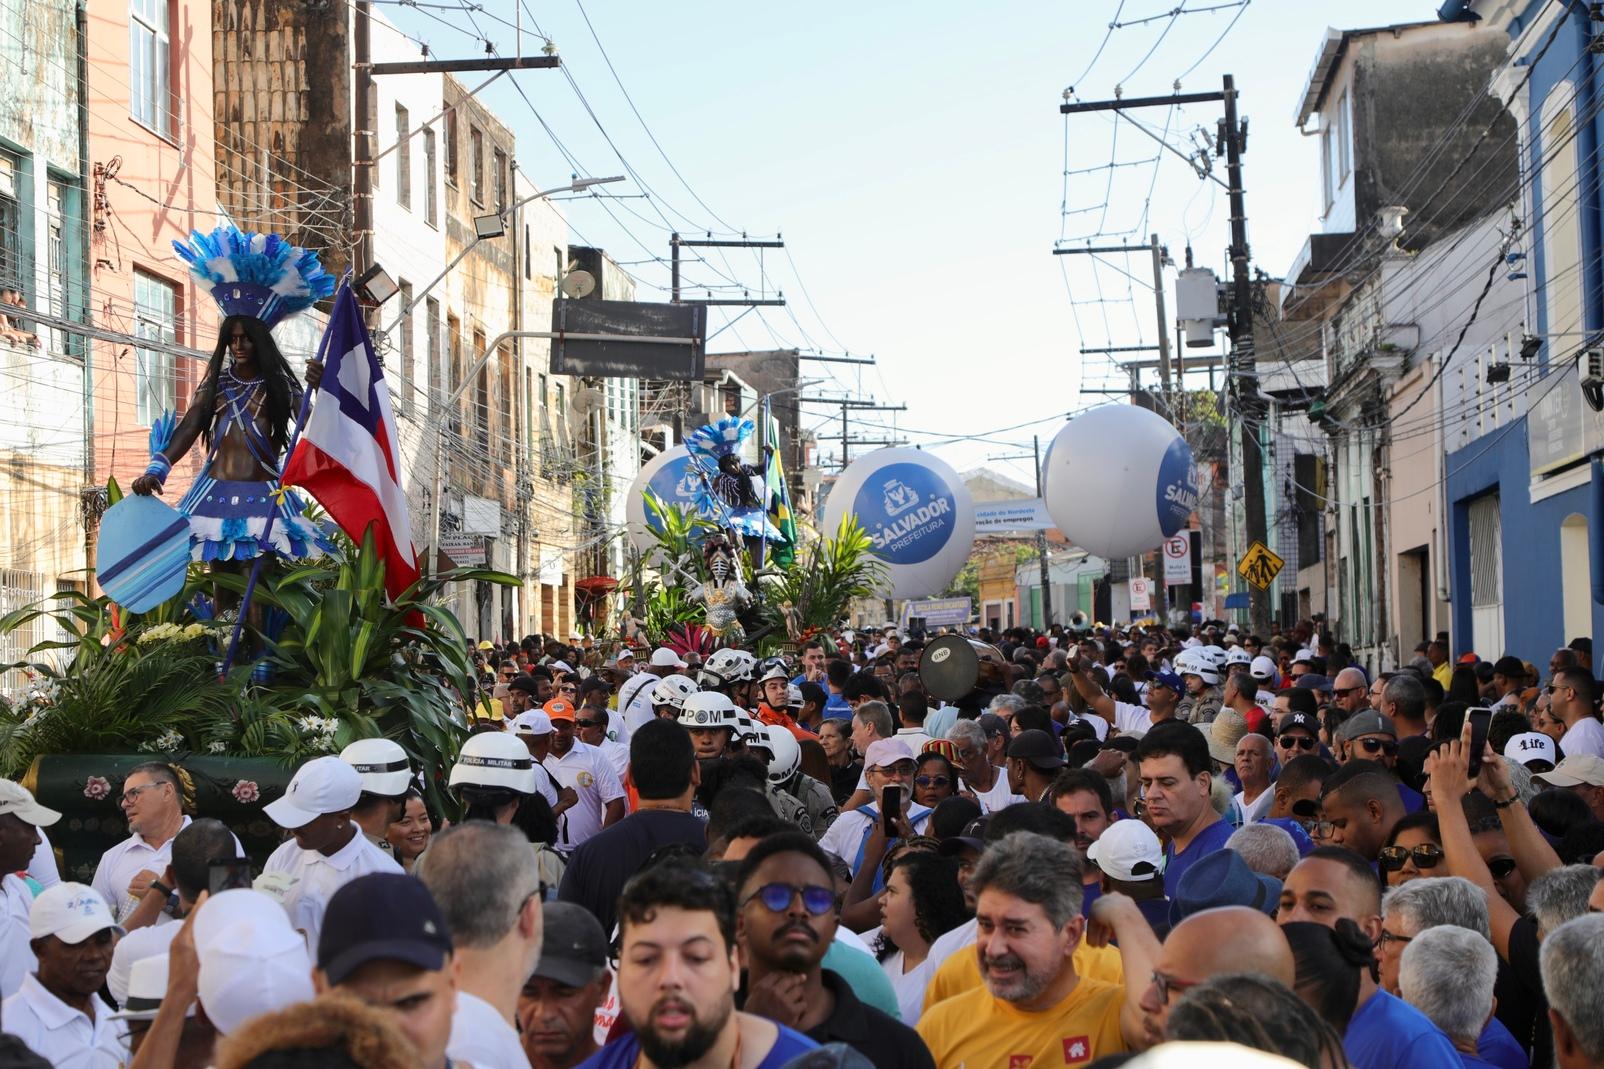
[891, 807]
[1480, 720]
[227, 874]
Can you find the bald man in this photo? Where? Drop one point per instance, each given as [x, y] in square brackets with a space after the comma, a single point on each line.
[1350, 691]
[1232, 939]
[1359, 804]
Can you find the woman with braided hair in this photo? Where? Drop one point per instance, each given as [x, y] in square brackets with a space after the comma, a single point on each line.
[1255, 1011]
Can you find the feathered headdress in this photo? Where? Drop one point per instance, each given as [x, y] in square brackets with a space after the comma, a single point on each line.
[257, 275]
[719, 439]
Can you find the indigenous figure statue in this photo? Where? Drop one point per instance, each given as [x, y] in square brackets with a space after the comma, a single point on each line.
[243, 409]
[732, 492]
[723, 594]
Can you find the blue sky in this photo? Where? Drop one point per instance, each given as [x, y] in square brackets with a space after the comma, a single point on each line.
[912, 155]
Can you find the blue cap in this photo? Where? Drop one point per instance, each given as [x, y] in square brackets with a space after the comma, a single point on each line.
[1169, 679]
[1223, 879]
[383, 916]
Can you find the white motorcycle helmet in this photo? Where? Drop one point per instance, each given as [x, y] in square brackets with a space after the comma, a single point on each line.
[382, 764]
[673, 690]
[708, 709]
[726, 666]
[794, 699]
[495, 759]
[1196, 662]
[787, 754]
[750, 732]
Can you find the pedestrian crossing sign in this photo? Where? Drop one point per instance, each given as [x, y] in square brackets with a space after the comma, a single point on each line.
[1260, 566]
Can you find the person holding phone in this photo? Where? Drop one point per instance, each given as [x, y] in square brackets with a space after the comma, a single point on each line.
[888, 768]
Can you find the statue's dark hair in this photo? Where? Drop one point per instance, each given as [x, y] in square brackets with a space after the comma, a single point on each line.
[283, 393]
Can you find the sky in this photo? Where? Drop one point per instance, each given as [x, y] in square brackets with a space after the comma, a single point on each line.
[913, 157]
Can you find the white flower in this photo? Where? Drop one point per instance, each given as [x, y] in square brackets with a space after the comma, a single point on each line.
[168, 741]
[218, 746]
[194, 631]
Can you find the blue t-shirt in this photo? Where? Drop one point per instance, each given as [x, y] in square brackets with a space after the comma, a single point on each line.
[1498, 1045]
[1387, 1032]
[622, 1052]
[1413, 802]
[837, 707]
[1300, 837]
[1208, 840]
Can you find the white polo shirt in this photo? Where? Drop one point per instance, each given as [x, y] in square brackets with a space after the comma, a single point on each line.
[1584, 736]
[61, 1035]
[151, 941]
[591, 775]
[16, 959]
[318, 877]
[617, 755]
[482, 1038]
[119, 865]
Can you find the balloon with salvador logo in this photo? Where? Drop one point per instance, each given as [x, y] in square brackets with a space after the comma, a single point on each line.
[1118, 481]
[673, 476]
[143, 552]
[917, 511]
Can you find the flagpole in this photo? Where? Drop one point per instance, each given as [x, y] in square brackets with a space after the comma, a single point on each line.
[264, 542]
[763, 459]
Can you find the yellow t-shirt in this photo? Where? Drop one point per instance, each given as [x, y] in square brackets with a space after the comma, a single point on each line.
[976, 1031]
[1443, 673]
[961, 971]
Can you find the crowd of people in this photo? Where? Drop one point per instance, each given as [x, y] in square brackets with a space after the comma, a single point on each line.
[1121, 847]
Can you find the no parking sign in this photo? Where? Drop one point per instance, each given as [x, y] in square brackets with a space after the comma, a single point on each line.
[1178, 559]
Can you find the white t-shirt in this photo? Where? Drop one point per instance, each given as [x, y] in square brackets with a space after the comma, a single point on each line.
[591, 775]
[915, 738]
[618, 755]
[1584, 736]
[61, 1035]
[318, 877]
[1134, 720]
[150, 941]
[482, 1038]
[949, 943]
[1001, 796]
[846, 836]
[43, 866]
[1249, 812]
[909, 985]
[16, 958]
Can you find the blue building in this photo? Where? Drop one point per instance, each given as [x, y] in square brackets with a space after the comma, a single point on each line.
[1523, 490]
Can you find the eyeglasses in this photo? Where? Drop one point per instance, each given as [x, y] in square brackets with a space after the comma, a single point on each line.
[1386, 746]
[776, 897]
[567, 688]
[931, 781]
[1340, 692]
[1296, 742]
[588, 723]
[1426, 856]
[1501, 867]
[1168, 985]
[131, 796]
[1321, 829]
[1388, 937]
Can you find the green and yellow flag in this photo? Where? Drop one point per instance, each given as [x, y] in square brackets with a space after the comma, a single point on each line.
[783, 554]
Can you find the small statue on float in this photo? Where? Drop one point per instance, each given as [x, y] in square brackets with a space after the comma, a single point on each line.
[723, 595]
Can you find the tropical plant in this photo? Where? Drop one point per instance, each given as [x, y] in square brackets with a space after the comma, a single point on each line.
[816, 592]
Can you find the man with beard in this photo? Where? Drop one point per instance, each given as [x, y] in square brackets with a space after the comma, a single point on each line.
[678, 971]
[787, 921]
[1032, 1009]
[1085, 797]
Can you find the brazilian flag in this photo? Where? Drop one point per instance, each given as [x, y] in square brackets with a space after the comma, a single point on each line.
[778, 492]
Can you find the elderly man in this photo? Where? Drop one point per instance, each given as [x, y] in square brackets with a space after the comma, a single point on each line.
[888, 763]
[57, 1011]
[1350, 691]
[1253, 763]
[557, 1007]
[1032, 1008]
[1447, 973]
[153, 804]
[987, 782]
[1572, 962]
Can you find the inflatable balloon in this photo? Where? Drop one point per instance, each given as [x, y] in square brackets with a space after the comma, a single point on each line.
[1118, 481]
[671, 475]
[916, 510]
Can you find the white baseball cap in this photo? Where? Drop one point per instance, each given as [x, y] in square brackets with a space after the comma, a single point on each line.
[253, 967]
[1262, 668]
[382, 764]
[1530, 746]
[147, 986]
[531, 722]
[1127, 850]
[322, 785]
[72, 912]
[1303, 657]
[19, 801]
[663, 657]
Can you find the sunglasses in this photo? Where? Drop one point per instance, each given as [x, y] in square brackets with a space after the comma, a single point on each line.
[776, 897]
[1296, 742]
[931, 781]
[567, 688]
[1385, 746]
[588, 723]
[1168, 985]
[1426, 856]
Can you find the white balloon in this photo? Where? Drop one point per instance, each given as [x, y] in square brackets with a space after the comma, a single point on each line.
[674, 477]
[1118, 480]
[917, 511]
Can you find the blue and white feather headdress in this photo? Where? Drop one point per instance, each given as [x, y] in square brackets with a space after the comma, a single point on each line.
[257, 275]
[719, 439]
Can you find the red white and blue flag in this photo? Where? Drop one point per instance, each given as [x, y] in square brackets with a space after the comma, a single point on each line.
[348, 456]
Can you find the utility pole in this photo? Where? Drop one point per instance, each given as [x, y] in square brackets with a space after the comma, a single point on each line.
[1244, 380]
[676, 243]
[1041, 543]
[362, 130]
[1163, 317]
[849, 405]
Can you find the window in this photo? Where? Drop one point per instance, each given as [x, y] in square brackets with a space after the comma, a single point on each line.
[451, 146]
[403, 379]
[541, 391]
[1344, 137]
[476, 165]
[499, 181]
[453, 371]
[62, 280]
[528, 271]
[431, 210]
[431, 331]
[481, 400]
[506, 435]
[156, 318]
[403, 158]
[11, 250]
[150, 60]
[1327, 163]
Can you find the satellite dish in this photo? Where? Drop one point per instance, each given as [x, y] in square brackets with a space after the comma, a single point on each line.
[586, 400]
[579, 283]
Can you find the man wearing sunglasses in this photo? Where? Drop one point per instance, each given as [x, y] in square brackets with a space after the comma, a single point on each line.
[1572, 705]
[1350, 691]
[1367, 736]
[785, 923]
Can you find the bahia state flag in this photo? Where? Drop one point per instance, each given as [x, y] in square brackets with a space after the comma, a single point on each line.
[778, 494]
[349, 454]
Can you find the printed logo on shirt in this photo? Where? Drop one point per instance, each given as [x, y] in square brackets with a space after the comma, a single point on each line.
[1020, 1061]
[584, 779]
[1077, 1049]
